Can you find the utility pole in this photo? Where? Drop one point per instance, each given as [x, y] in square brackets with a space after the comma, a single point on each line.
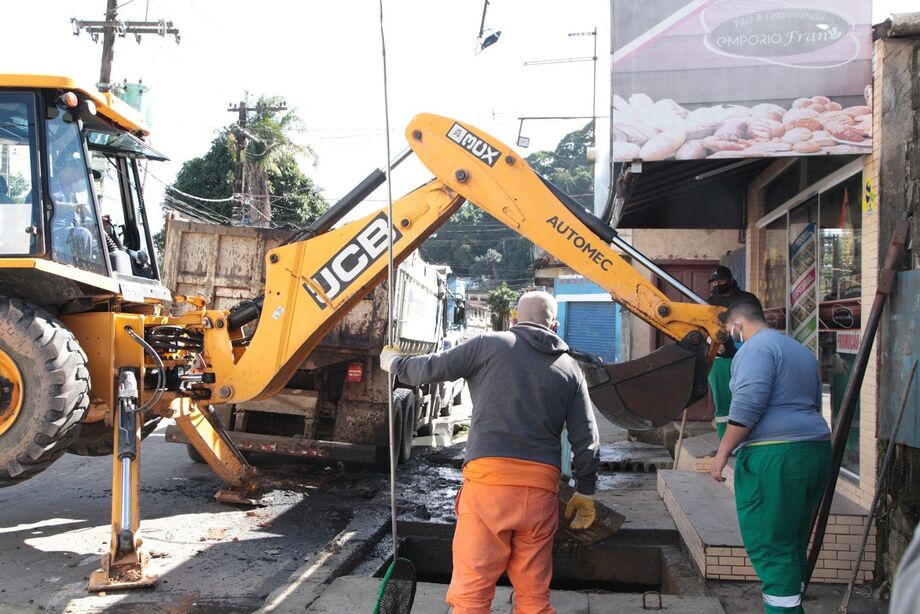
[245, 211]
[111, 26]
[242, 213]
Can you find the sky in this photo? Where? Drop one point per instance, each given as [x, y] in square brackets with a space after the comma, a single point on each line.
[325, 60]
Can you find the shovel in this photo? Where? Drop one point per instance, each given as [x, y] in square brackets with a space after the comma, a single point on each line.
[605, 524]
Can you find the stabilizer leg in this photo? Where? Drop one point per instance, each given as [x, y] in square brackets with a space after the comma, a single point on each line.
[125, 566]
[208, 437]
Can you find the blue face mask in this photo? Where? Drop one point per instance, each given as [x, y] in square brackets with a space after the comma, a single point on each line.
[739, 341]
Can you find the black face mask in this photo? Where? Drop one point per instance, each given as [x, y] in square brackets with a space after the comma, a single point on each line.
[726, 289]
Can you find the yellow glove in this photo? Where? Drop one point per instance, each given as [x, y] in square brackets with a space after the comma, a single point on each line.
[582, 506]
[388, 356]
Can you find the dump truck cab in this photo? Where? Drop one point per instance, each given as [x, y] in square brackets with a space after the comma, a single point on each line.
[73, 223]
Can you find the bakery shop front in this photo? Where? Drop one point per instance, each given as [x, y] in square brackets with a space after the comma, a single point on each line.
[741, 133]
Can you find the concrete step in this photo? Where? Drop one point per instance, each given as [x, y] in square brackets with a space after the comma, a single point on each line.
[359, 594]
[696, 452]
[704, 512]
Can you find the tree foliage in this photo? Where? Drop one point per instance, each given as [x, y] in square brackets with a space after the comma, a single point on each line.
[567, 166]
[210, 176]
[272, 174]
[477, 245]
[501, 301]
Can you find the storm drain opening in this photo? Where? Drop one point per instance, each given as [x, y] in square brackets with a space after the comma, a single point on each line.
[628, 562]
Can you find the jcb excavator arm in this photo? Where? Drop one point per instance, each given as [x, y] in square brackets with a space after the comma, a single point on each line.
[312, 284]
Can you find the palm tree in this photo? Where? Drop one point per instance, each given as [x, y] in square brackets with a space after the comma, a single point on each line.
[267, 138]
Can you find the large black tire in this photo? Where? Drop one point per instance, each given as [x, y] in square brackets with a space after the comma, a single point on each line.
[193, 454]
[97, 439]
[409, 419]
[434, 398]
[401, 398]
[55, 389]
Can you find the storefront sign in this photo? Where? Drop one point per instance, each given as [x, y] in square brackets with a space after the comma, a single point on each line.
[848, 342]
[869, 198]
[803, 304]
[740, 78]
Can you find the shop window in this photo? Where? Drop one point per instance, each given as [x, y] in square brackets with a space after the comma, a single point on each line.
[841, 224]
[776, 248]
[811, 285]
[839, 290]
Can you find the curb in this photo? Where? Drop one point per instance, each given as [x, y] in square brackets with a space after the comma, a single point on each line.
[337, 558]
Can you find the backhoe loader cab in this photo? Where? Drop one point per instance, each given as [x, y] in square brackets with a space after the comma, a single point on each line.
[77, 266]
[70, 195]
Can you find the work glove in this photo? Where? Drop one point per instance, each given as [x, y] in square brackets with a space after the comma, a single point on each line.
[582, 506]
[388, 356]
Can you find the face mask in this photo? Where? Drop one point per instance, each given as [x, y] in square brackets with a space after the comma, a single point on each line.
[740, 337]
[725, 289]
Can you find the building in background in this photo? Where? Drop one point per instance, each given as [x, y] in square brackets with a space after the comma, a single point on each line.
[756, 135]
[589, 320]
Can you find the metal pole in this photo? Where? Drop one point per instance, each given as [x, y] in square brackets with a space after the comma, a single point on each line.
[391, 337]
[126, 493]
[680, 439]
[594, 96]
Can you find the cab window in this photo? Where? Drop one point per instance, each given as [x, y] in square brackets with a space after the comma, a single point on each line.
[20, 213]
[123, 218]
[75, 232]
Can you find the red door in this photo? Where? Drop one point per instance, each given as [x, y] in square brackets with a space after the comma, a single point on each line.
[695, 275]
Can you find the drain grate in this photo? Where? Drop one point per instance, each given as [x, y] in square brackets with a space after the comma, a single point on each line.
[634, 466]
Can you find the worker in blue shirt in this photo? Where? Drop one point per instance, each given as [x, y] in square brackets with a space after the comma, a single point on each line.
[783, 452]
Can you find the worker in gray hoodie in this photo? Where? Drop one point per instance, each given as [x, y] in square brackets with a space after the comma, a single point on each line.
[525, 389]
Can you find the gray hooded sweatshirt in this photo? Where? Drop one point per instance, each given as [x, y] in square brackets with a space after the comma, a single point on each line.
[525, 389]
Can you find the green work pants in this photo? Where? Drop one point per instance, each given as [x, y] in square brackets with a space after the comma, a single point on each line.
[719, 376]
[777, 489]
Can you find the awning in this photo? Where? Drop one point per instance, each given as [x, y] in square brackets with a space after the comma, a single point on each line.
[689, 193]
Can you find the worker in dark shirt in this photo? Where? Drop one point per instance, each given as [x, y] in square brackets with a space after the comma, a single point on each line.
[724, 292]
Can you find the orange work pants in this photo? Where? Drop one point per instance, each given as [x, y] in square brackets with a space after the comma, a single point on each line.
[503, 528]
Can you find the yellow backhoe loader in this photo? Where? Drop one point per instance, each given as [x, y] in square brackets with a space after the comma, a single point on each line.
[86, 341]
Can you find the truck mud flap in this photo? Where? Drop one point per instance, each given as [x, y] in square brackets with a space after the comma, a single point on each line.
[651, 391]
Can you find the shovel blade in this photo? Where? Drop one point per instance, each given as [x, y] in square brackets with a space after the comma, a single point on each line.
[651, 391]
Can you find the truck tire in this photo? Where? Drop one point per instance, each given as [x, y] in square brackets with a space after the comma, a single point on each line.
[409, 418]
[194, 455]
[434, 402]
[401, 400]
[97, 439]
[44, 389]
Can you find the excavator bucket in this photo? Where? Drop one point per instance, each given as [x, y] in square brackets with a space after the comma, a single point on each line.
[651, 391]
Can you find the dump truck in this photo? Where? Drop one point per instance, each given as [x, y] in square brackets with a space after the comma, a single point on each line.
[335, 405]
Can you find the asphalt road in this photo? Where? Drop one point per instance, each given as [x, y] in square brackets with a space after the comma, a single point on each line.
[210, 556]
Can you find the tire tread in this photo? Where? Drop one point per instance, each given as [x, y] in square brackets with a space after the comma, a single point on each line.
[66, 380]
